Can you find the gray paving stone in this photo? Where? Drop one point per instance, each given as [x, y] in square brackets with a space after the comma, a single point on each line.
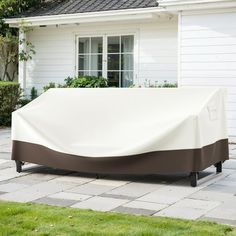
[153, 179]
[231, 177]
[211, 196]
[181, 212]
[22, 196]
[135, 189]
[91, 189]
[33, 178]
[218, 220]
[188, 209]
[35, 192]
[109, 182]
[98, 203]
[12, 187]
[27, 180]
[10, 173]
[117, 196]
[55, 201]
[198, 204]
[169, 194]
[227, 182]
[70, 196]
[145, 205]
[7, 164]
[225, 211]
[134, 211]
[73, 179]
[220, 188]
[230, 164]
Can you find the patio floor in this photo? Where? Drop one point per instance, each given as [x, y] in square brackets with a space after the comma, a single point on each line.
[160, 195]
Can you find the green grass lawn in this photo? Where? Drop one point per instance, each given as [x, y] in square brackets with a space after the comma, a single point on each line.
[30, 219]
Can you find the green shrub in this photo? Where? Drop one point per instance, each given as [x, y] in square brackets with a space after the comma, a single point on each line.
[33, 93]
[10, 93]
[80, 82]
[24, 102]
[168, 85]
[52, 85]
[86, 82]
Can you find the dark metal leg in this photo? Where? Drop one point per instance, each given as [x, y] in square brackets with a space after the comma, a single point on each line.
[19, 165]
[97, 176]
[193, 178]
[218, 167]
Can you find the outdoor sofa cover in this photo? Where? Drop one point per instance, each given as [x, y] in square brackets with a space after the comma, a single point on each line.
[123, 131]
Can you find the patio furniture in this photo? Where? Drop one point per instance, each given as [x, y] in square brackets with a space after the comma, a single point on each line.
[123, 131]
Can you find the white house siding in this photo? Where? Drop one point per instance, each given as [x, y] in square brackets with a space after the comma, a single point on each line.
[208, 54]
[155, 54]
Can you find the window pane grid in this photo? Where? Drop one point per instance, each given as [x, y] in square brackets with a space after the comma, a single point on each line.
[122, 60]
[91, 57]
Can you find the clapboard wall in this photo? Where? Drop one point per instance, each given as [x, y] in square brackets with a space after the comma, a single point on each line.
[207, 54]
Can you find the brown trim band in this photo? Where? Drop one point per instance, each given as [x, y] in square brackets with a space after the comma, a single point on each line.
[189, 160]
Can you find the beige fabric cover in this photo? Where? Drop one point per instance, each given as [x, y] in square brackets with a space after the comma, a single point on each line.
[119, 122]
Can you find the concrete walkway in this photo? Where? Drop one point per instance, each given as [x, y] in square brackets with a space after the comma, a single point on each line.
[170, 195]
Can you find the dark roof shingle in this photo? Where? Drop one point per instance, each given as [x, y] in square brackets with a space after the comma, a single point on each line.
[58, 7]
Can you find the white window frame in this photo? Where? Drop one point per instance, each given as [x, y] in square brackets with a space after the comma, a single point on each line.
[89, 54]
[105, 53]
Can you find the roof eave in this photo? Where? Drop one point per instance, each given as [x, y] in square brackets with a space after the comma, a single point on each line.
[185, 5]
[115, 15]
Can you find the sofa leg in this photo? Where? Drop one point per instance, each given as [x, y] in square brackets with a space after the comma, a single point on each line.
[218, 167]
[193, 178]
[19, 165]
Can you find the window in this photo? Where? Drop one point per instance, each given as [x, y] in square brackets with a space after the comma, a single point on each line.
[120, 58]
[118, 66]
[90, 56]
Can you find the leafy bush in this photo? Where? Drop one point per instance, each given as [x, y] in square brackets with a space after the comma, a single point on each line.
[156, 84]
[33, 93]
[24, 102]
[86, 82]
[52, 85]
[168, 85]
[80, 82]
[10, 93]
